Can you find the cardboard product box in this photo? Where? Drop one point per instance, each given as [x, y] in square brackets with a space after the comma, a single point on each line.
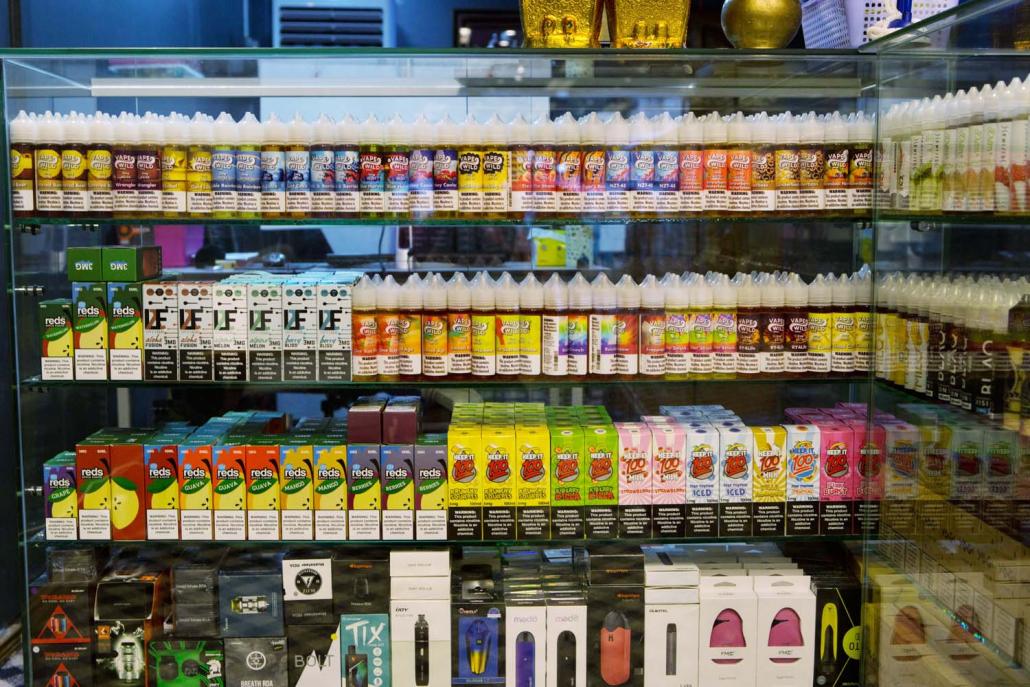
[402, 420]
[364, 492]
[903, 647]
[416, 588]
[477, 643]
[264, 490]
[728, 632]
[329, 488]
[60, 501]
[160, 331]
[567, 641]
[57, 342]
[669, 479]
[870, 475]
[420, 638]
[314, 658]
[196, 475]
[229, 331]
[526, 636]
[968, 478]
[737, 449]
[365, 419]
[90, 321]
[162, 487]
[229, 492]
[1001, 447]
[769, 481]
[431, 487]
[702, 508]
[499, 480]
[62, 664]
[785, 630]
[668, 566]
[615, 625]
[601, 513]
[901, 476]
[420, 562]
[300, 328]
[130, 263]
[265, 330]
[186, 662]
[129, 611]
[533, 480]
[398, 485]
[465, 481]
[250, 603]
[85, 263]
[308, 588]
[128, 495]
[334, 328]
[255, 661]
[615, 565]
[60, 613]
[359, 582]
[568, 480]
[93, 484]
[635, 479]
[297, 457]
[839, 470]
[190, 620]
[933, 478]
[125, 330]
[196, 330]
[671, 649]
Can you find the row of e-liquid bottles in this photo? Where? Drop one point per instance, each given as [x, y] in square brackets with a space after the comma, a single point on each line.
[688, 326]
[958, 339]
[636, 167]
[965, 152]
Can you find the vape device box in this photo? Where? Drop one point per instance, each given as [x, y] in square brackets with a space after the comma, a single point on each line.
[735, 489]
[431, 487]
[785, 630]
[308, 588]
[160, 331]
[601, 481]
[420, 634]
[358, 582]
[568, 481]
[196, 474]
[1001, 447]
[668, 479]
[838, 631]
[615, 565]
[615, 629]
[93, 485]
[60, 613]
[229, 331]
[57, 341]
[85, 263]
[296, 460]
[968, 477]
[658, 596]
[420, 563]
[635, 479]
[194, 621]
[74, 564]
[365, 419]
[264, 330]
[668, 567]
[932, 515]
[60, 501]
[130, 263]
[186, 663]
[62, 664]
[870, 475]
[334, 329]
[364, 491]
[837, 447]
[263, 490]
[526, 637]
[229, 492]
[414, 588]
[465, 480]
[533, 480]
[727, 632]
[300, 329]
[566, 643]
[196, 330]
[401, 420]
[90, 320]
[702, 509]
[313, 655]
[129, 612]
[398, 484]
[253, 661]
[250, 603]
[128, 496]
[364, 643]
[477, 643]
[769, 481]
[329, 491]
[125, 330]
[500, 450]
[670, 652]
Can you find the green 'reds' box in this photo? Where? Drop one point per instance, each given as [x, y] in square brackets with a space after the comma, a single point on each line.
[131, 263]
[85, 263]
[185, 663]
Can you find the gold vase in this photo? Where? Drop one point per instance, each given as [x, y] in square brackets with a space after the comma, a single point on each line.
[761, 24]
[561, 23]
[648, 23]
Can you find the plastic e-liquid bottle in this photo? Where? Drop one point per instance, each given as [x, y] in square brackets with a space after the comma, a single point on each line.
[148, 166]
[470, 169]
[496, 168]
[811, 165]
[484, 340]
[788, 165]
[837, 162]
[445, 169]
[795, 333]
[724, 327]
[763, 164]
[100, 167]
[666, 166]
[273, 168]
[373, 169]
[248, 168]
[652, 327]
[531, 304]
[861, 291]
[364, 332]
[603, 339]
[47, 163]
[749, 328]
[617, 166]
[715, 197]
[702, 354]
[508, 327]
[842, 328]
[459, 327]
[174, 156]
[347, 164]
[298, 168]
[595, 198]
[642, 167]
[677, 328]
[420, 169]
[554, 329]
[434, 327]
[860, 164]
[396, 161]
[23, 175]
[123, 152]
[570, 167]
[224, 200]
[74, 175]
[409, 335]
[388, 329]
[691, 163]
[322, 170]
[738, 164]
[820, 327]
[627, 328]
[198, 167]
[580, 306]
[521, 200]
[772, 323]
[545, 167]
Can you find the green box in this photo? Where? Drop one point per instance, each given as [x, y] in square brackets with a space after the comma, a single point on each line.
[131, 263]
[602, 458]
[85, 263]
[186, 662]
[568, 466]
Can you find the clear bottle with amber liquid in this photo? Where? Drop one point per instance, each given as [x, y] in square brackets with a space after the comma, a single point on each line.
[836, 161]
[23, 175]
[148, 166]
[531, 304]
[715, 197]
[364, 332]
[795, 332]
[788, 166]
[388, 330]
[459, 327]
[507, 328]
[123, 179]
[409, 325]
[198, 167]
[173, 166]
[811, 166]
[74, 175]
[434, 328]
[738, 164]
[100, 166]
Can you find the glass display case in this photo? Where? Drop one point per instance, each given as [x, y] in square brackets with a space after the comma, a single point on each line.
[625, 340]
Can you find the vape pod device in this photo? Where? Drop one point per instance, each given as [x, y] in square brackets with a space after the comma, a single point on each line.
[477, 644]
[828, 639]
[670, 649]
[615, 646]
[356, 668]
[421, 651]
[727, 631]
[525, 659]
[565, 649]
[362, 592]
[664, 558]
[786, 631]
[248, 605]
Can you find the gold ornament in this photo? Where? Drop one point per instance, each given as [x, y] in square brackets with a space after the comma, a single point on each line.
[561, 23]
[648, 23]
[761, 24]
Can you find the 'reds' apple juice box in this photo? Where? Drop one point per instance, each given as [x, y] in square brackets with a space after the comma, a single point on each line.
[635, 479]
[128, 477]
[769, 481]
[364, 492]
[668, 479]
[702, 509]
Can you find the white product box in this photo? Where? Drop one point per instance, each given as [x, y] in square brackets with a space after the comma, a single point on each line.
[727, 571]
[160, 331]
[420, 563]
[566, 645]
[727, 632]
[265, 330]
[525, 625]
[425, 587]
[786, 630]
[420, 636]
[334, 328]
[196, 329]
[902, 641]
[229, 336]
[300, 329]
[667, 567]
[670, 649]
[775, 572]
[671, 595]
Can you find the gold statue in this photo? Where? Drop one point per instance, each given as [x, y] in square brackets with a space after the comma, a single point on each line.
[561, 23]
[761, 23]
[648, 23]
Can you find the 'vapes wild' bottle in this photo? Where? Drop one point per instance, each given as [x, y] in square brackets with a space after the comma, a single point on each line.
[364, 332]
[174, 156]
[652, 327]
[248, 168]
[273, 169]
[74, 174]
[459, 327]
[554, 329]
[223, 167]
[123, 151]
[347, 166]
[101, 166]
[23, 176]
[322, 171]
[531, 303]
[298, 168]
[198, 167]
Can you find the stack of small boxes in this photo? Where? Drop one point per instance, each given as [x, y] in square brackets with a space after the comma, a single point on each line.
[420, 617]
[670, 617]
